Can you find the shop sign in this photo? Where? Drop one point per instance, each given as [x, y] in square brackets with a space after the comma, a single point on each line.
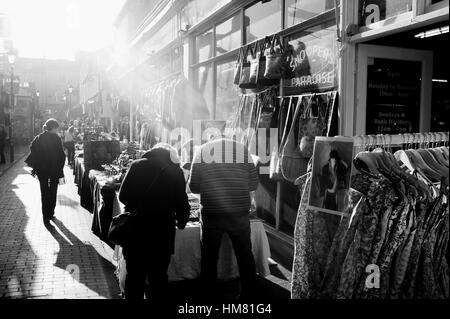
[372, 11]
[313, 62]
[393, 96]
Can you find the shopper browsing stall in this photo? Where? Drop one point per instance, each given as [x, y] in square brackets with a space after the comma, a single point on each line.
[224, 189]
[158, 210]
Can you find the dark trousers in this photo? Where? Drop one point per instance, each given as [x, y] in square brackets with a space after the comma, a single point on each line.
[49, 188]
[239, 234]
[70, 146]
[2, 154]
[141, 268]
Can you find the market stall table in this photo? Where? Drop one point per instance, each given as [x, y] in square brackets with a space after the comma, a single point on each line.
[185, 262]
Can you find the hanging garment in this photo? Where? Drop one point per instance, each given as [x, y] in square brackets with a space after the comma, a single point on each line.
[313, 235]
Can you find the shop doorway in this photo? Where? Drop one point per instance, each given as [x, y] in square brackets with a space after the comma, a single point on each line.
[393, 90]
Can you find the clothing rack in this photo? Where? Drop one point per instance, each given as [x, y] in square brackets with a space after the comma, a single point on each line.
[401, 139]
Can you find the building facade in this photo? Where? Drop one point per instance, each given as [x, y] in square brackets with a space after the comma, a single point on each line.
[383, 58]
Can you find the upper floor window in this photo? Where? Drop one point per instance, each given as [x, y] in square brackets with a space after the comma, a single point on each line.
[262, 19]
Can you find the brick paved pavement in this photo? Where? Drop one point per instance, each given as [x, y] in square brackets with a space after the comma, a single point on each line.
[65, 261]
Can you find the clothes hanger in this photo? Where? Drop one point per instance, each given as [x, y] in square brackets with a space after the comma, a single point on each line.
[367, 157]
[418, 163]
[429, 159]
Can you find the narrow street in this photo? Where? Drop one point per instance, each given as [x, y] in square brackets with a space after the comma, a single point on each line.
[66, 261]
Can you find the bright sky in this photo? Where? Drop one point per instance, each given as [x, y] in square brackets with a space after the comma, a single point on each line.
[55, 29]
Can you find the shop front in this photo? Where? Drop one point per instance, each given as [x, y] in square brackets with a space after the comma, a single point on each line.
[278, 74]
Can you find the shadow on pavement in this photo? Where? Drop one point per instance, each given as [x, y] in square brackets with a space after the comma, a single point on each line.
[17, 258]
[82, 254]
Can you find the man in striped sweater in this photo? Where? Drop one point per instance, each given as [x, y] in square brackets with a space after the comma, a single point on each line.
[225, 176]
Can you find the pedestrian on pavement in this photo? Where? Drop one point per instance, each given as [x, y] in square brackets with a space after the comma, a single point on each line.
[225, 176]
[47, 160]
[69, 144]
[2, 143]
[153, 188]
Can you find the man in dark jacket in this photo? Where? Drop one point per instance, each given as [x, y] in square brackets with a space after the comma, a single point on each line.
[154, 187]
[47, 159]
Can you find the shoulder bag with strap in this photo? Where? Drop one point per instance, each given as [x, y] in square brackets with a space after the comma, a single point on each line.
[291, 164]
[121, 227]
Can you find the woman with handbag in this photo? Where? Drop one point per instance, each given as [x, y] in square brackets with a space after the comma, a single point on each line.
[47, 159]
[153, 190]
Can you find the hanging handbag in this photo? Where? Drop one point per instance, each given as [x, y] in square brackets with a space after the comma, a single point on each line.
[264, 50]
[244, 82]
[291, 165]
[311, 125]
[275, 60]
[238, 67]
[275, 159]
[122, 226]
[254, 63]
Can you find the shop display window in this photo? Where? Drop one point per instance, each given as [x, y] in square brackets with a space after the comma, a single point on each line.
[228, 35]
[227, 94]
[205, 85]
[197, 10]
[203, 44]
[373, 11]
[262, 19]
[297, 11]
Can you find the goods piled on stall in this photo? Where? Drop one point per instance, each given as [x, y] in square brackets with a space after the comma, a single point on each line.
[97, 153]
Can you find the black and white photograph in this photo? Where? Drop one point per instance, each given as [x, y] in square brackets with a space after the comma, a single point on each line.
[231, 158]
[331, 172]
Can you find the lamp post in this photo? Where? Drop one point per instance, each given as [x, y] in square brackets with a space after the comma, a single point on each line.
[11, 60]
[70, 99]
[35, 111]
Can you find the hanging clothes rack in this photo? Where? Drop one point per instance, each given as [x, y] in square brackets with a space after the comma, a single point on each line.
[401, 139]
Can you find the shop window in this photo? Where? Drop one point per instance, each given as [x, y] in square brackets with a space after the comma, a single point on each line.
[431, 5]
[205, 85]
[314, 62]
[197, 10]
[297, 11]
[228, 35]
[262, 19]
[203, 44]
[373, 11]
[227, 94]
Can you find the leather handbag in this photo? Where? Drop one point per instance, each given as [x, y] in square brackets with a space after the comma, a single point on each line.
[291, 164]
[244, 82]
[275, 60]
[238, 67]
[122, 226]
[264, 49]
[255, 63]
[311, 125]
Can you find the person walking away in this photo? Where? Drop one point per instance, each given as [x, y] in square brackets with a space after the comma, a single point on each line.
[48, 160]
[158, 210]
[69, 144]
[225, 176]
[2, 144]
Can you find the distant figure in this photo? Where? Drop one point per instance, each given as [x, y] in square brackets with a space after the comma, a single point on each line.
[47, 159]
[69, 144]
[2, 144]
[160, 208]
[226, 189]
[334, 182]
